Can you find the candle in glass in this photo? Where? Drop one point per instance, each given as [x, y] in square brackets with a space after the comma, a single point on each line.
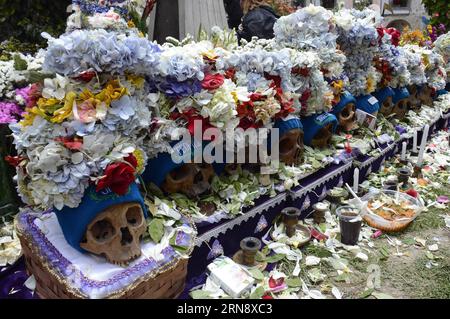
[423, 145]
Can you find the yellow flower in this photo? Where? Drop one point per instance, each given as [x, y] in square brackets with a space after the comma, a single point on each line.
[62, 113]
[131, 24]
[113, 91]
[137, 81]
[140, 161]
[370, 87]
[210, 54]
[28, 119]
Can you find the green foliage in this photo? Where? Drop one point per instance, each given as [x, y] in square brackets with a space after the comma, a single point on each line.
[23, 21]
[439, 12]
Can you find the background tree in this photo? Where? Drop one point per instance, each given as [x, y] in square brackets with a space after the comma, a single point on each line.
[439, 12]
[23, 21]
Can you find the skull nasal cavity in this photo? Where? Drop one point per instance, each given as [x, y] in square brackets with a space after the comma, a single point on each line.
[126, 236]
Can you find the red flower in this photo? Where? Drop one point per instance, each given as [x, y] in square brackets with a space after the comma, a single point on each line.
[14, 160]
[247, 122]
[395, 34]
[413, 193]
[267, 297]
[71, 143]
[212, 81]
[119, 176]
[85, 76]
[300, 71]
[229, 73]
[276, 283]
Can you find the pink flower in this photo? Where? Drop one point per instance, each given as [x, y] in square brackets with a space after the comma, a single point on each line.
[442, 199]
[85, 112]
[9, 112]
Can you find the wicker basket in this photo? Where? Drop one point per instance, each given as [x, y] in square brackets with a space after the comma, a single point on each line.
[169, 283]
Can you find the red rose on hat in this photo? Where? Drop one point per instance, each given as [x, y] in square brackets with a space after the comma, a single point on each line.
[118, 176]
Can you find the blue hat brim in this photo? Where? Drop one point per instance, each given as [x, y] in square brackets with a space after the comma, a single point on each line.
[345, 99]
[383, 94]
[400, 94]
[312, 125]
[364, 103]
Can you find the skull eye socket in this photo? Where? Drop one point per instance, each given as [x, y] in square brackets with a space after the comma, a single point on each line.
[286, 144]
[346, 112]
[181, 172]
[103, 230]
[134, 216]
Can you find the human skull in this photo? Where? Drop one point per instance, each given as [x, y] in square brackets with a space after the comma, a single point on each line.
[291, 147]
[401, 108]
[413, 98]
[116, 233]
[347, 117]
[425, 96]
[323, 137]
[387, 106]
[191, 179]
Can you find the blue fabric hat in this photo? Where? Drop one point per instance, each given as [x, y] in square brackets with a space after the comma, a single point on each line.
[284, 125]
[312, 125]
[157, 168]
[74, 221]
[367, 103]
[346, 98]
[400, 94]
[440, 92]
[287, 124]
[383, 94]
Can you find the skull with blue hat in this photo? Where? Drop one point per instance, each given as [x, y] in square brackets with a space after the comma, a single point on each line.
[414, 100]
[384, 97]
[106, 223]
[177, 172]
[291, 139]
[401, 102]
[344, 111]
[318, 129]
[368, 103]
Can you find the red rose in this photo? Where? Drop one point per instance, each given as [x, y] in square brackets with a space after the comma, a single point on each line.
[119, 176]
[267, 297]
[71, 143]
[212, 81]
[85, 76]
[229, 74]
[412, 193]
[245, 123]
[14, 160]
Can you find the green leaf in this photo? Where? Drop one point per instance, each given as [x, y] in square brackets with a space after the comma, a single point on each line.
[294, 282]
[341, 278]
[156, 229]
[258, 293]
[367, 293]
[257, 274]
[274, 258]
[19, 63]
[200, 294]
